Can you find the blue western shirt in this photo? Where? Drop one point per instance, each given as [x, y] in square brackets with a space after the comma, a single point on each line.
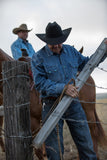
[52, 72]
[18, 45]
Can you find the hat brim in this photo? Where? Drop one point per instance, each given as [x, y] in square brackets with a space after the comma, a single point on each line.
[54, 41]
[16, 30]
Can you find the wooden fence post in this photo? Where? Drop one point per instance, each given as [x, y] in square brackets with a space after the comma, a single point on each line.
[16, 97]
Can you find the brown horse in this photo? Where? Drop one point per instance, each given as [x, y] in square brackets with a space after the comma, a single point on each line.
[87, 93]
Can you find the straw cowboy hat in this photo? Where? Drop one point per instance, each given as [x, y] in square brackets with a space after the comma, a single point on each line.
[54, 34]
[22, 27]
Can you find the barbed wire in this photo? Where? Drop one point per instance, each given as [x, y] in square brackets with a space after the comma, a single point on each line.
[72, 120]
[5, 80]
[18, 105]
[82, 101]
[16, 76]
[84, 121]
[27, 76]
[23, 137]
[13, 68]
[89, 84]
[102, 69]
[56, 114]
[51, 148]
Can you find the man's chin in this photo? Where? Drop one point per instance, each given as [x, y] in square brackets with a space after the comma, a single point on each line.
[57, 51]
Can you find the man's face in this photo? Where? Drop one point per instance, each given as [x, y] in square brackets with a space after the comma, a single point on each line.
[23, 35]
[55, 48]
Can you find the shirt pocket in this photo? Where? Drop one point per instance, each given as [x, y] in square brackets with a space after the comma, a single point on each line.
[73, 69]
[52, 72]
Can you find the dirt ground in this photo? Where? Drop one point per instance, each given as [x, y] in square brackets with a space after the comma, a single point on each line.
[70, 148]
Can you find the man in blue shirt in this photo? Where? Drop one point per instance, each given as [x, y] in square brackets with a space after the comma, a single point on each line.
[53, 67]
[21, 42]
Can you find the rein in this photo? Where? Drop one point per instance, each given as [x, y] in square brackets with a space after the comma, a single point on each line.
[52, 109]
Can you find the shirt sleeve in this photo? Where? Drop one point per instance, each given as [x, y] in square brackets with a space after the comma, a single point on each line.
[31, 50]
[82, 60]
[16, 52]
[44, 85]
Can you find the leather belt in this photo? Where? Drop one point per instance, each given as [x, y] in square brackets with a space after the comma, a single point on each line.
[49, 98]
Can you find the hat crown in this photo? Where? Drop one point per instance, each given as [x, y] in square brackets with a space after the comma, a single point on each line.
[53, 30]
[54, 34]
[23, 27]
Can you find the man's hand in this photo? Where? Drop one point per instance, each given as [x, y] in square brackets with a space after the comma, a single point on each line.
[71, 91]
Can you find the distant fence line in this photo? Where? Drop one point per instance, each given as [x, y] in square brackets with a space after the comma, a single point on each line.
[102, 69]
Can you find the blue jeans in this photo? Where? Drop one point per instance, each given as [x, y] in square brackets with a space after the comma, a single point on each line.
[79, 131]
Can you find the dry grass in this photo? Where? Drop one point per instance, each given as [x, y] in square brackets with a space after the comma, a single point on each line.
[70, 148]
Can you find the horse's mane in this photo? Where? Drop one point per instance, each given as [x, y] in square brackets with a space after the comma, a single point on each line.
[4, 56]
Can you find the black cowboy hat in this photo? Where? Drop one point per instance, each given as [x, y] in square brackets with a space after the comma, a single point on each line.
[54, 34]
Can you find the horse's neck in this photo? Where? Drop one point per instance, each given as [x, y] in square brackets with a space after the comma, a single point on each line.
[4, 56]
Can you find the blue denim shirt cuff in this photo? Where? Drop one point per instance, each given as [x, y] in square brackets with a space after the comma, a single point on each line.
[59, 88]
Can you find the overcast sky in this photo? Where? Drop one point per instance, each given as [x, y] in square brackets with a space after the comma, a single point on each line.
[88, 19]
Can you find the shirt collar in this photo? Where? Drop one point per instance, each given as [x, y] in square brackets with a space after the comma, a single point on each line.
[21, 40]
[64, 49]
[50, 53]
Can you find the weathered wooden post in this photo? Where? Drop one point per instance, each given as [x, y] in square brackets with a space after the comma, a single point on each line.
[18, 138]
